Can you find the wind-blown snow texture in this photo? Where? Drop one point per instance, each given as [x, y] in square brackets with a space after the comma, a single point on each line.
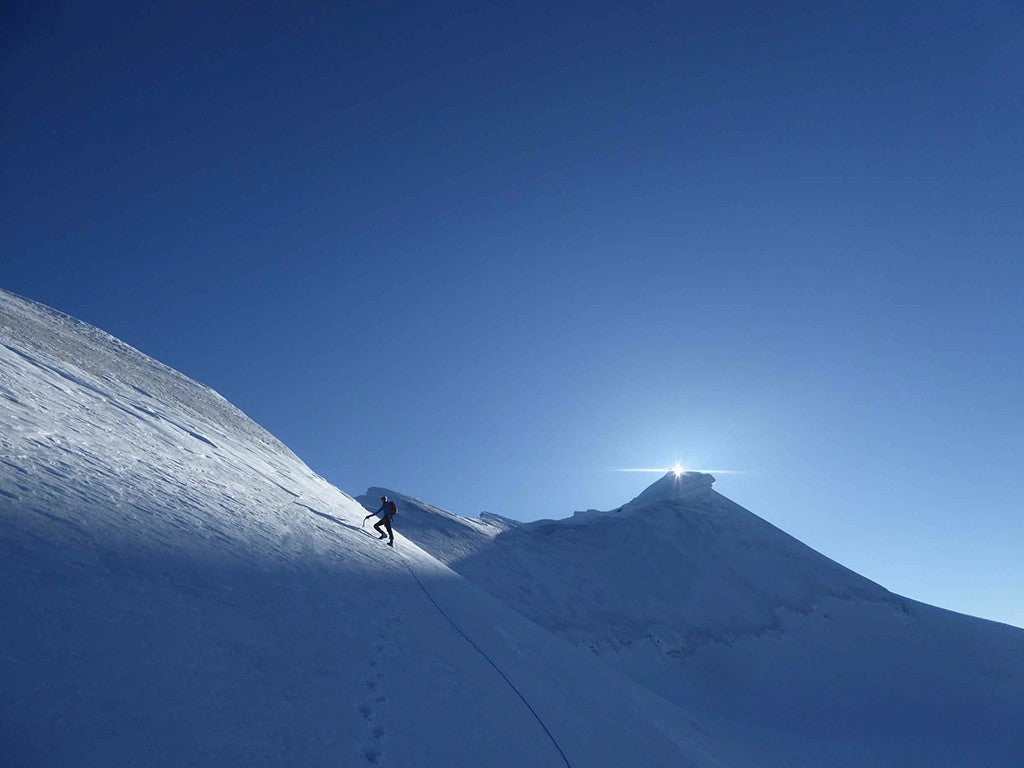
[800, 660]
[179, 589]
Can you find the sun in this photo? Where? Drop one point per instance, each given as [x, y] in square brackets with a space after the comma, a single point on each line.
[677, 470]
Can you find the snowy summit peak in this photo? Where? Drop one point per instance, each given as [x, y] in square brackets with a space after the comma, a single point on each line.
[672, 487]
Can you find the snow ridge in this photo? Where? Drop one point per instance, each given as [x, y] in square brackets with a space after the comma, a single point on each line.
[718, 611]
[180, 589]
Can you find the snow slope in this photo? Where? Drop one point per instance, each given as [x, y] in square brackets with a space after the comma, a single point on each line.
[802, 661]
[179, 590]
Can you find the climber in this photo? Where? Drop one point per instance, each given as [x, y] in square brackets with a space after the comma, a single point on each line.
[388, 509]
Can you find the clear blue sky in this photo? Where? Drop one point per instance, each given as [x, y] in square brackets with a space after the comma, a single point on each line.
[486, 254]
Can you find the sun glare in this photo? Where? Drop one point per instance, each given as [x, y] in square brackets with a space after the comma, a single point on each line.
[679, 470]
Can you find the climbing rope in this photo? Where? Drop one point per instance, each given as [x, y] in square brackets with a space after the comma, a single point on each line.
[489, 661]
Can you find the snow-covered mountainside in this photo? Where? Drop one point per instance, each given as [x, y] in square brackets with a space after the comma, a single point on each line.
[802, 661]
[179, 589]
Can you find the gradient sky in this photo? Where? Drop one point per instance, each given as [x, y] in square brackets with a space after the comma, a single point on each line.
[487, 254]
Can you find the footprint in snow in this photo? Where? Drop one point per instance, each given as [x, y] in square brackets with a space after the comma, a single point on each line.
[370, 710]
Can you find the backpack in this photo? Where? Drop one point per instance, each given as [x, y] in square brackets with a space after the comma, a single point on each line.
[392, 509]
